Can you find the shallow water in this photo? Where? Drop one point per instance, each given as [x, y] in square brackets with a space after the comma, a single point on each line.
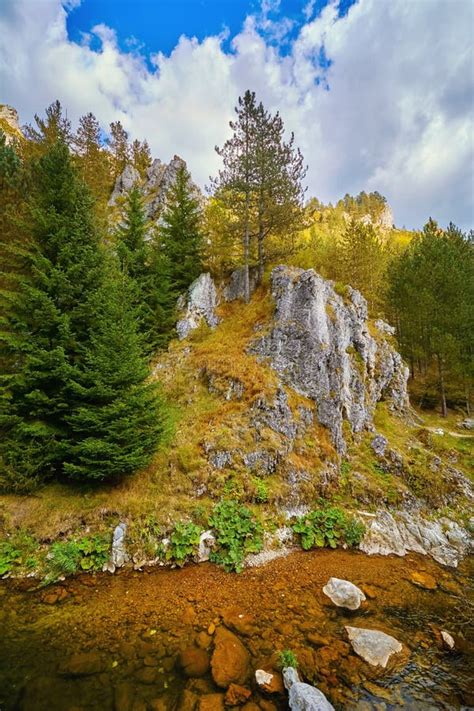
[133, 625]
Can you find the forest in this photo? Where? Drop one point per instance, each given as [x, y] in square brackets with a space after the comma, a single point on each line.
[89, 290]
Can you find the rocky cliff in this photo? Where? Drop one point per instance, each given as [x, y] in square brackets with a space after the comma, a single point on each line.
[154, 186]
[9, 123]
[321, 345]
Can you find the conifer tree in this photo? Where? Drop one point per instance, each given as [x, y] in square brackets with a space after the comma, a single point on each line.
[48, 131]
[119, 148]
[115, 418]
[363, 261]
[93, 160]
[143, 260]
[180, 232]
[141, 156]
[56, 311]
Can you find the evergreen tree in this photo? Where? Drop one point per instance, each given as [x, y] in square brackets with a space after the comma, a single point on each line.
[115, 419]
[119, 148]
[48, 131]
[93, 160]
[363, 261]
[142, 258]
[141, 156]
[180, 232]
[51, 334]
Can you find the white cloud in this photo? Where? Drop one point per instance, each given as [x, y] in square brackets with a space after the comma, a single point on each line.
[396, 117]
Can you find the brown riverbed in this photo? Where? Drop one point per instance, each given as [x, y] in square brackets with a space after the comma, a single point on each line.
[130, 627]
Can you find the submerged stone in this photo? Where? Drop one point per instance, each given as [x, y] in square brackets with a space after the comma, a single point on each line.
[230, 661]
[374, 646]
[343, 593]
[303, 697]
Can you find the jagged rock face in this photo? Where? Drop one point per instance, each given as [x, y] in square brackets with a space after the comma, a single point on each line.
[159, 178]
[200, 305]
[125, 182]
[9, 123]
[235, 288]
[320, 345]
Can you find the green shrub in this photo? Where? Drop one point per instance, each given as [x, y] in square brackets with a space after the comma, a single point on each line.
[261, 490]
[19, 551]
[9, 556]
[328, 527]
[287, 658]
[67, 557]
[183, 542]
[237, 533]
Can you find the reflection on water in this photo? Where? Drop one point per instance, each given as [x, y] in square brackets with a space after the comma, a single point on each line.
[112, 642]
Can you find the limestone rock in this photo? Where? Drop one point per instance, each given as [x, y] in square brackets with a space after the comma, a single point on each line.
[124, 183]
[235, 288]
[119, 555]
[379, 445]
[269, 682]
[230, 661]
[9, 123]
[343, 593]
[443, 539]
[448, 639]
[207, 542]
[320, 345]
[303, 697]
[200, 306]
[374, 646]
[467, 424]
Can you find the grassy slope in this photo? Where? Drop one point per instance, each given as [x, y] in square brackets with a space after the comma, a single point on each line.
[153, 499]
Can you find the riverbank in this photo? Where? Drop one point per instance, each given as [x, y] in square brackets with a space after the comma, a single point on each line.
[129, 630]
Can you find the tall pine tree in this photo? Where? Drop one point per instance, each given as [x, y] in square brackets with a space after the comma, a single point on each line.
[180, 232]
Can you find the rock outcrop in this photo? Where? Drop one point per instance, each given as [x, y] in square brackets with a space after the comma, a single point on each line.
[9, 123]
[444, 540]
[235, 287]
[199, 305]
[154, 187]
[321, 345]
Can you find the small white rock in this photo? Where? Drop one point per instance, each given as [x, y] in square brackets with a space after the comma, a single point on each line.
[343, 593]
[262, 677]
[447, 639]
[373, 646]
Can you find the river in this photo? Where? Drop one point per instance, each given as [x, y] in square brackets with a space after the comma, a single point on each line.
[102, 642]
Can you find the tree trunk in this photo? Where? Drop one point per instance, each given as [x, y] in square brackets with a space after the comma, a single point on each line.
[261, 236]
[442, 391]
[246, 251]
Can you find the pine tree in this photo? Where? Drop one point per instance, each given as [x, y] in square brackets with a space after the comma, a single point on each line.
[363, 261]
[180, 232]
[55, 335]
[141, 156]
[115, 419]
[48, 131]
[119, 148]
[93, 160]
[143, 260]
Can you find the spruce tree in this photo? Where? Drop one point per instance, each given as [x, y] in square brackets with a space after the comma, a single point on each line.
[180, 232]
[48, 131]
[119, 148]
[93, 161]
[143, 260]
[115, 417]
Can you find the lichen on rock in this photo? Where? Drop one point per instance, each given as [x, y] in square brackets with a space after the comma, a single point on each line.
[199, 305]
[321, 345]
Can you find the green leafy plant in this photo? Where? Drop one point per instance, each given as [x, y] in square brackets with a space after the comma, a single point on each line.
[9, 556]
[287, 658]
[18, 552]
[95, 551]
[261, 490]
[237, 533]
[67, 557]
[183, 542]
[328, 527]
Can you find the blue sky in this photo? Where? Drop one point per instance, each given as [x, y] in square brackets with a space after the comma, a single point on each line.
[379, 93]
[156, 25]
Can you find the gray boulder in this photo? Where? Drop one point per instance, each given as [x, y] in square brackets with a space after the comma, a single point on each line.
[235, 288]
[343, 593]
[379, 445]
[118, 553]
[200, 306]
[321, 345]
[444, 540]
[207, 542]
[373, 646]
[301, 696]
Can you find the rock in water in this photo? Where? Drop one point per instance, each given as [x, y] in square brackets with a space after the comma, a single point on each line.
[303, 697]
[320, 345]
[343, 593]
[373, 646]
[230, 660]
[447, 639]
[200, 305]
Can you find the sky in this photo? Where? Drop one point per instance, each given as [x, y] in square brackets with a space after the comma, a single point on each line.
[379, 93]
